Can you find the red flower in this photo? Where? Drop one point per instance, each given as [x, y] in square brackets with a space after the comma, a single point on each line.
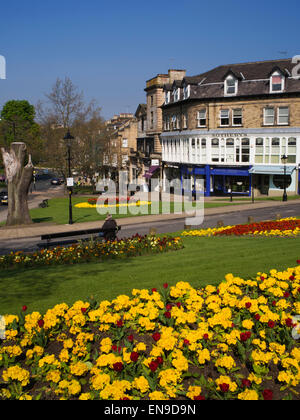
[130, 338]
[41, 323]
[286, 295]
[248, 305]
[298, 262]
[271, 324]
[289, 322]
[167, 314]
[205, 336]
[274, 303]
[134, 356]
[24, 308]
[224, 387]
[257, 317]
[168, 307]
[118, 366]
[199, 398]
[245, 336]
[153, 366]
[83, 310]
[165, 285]
[154, 290]
[178, 304]
[292, 278]
[156, 336]
[268, 395]
[120, 323]
[246, 383]
[186, 342]
[159, 360]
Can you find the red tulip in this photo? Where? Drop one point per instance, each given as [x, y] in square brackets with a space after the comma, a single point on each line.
[267, 395]
[41, 323]
[224, 387]
[24, 308]
[156, 336]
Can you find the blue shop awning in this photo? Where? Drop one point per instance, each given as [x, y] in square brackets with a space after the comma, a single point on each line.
[271, 170]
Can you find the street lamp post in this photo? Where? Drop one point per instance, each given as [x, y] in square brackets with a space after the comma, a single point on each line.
[68, 139]
[284, 160]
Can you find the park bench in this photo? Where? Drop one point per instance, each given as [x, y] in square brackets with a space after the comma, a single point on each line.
[44, 204]
[86, 234]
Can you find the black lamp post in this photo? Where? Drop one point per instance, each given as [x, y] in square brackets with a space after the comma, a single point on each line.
[68, 139]
[284, 160]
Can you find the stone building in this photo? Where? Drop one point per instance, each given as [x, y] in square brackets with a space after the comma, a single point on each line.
[226, 130]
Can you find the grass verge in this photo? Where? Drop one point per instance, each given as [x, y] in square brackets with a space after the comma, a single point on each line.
[203, 261]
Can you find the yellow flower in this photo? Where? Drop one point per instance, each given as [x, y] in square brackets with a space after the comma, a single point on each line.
[247, 324]
[193, 391]
[15, 373]
[225, 362]
[203, 356]
[248, 395]
[53, 376]
[158, 396]
[226, 380]
[141, 384]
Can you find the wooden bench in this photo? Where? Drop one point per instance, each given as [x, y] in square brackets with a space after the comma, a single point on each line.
[44, 204]
[85, 233]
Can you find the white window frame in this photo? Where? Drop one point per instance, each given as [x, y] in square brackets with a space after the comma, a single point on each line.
[279, 116]
[239, 116]
[277, 74]
[176, 94]
[228, 111]
[201, 118]
[274, 116]
[230, 77]
[167, 97]
[186, 91]
[124, 142]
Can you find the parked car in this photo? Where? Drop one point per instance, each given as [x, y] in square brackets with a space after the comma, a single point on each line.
[4, 197]
[56, 181]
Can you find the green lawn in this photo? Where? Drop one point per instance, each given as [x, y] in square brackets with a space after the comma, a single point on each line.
[203, 261]
[58, 211]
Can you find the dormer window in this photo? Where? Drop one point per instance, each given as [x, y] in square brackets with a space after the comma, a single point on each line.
[231, 86]
[176, 94]
[186, 92]
[167, 97]
[276, 83]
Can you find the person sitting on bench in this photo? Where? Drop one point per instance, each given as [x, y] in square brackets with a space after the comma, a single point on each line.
[109, 228]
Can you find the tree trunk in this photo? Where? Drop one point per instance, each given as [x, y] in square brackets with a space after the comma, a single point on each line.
[19, 178]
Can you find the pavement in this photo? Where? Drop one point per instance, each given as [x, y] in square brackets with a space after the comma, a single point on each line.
[36, 230]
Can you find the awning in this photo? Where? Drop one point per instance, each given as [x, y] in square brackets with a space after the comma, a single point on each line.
[271, 170]
[151, 171]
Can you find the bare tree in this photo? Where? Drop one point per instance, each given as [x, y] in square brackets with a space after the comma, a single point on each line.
[19, 177]
[66, 110]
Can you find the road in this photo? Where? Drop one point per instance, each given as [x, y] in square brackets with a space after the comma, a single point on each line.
[42, 185]
[169, 226]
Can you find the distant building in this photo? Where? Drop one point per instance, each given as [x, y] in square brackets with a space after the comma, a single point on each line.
[229, 127]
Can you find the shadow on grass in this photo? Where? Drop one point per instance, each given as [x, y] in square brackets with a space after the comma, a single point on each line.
[42, 219]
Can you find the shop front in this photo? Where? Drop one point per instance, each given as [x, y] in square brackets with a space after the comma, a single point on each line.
[216, 181]
[271, 180]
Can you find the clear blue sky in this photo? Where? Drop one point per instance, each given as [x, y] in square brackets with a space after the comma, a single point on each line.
[110, 48]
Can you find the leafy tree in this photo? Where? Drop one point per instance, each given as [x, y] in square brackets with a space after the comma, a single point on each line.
[18, 124]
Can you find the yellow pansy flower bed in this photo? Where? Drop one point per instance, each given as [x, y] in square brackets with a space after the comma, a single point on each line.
[236, 340]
